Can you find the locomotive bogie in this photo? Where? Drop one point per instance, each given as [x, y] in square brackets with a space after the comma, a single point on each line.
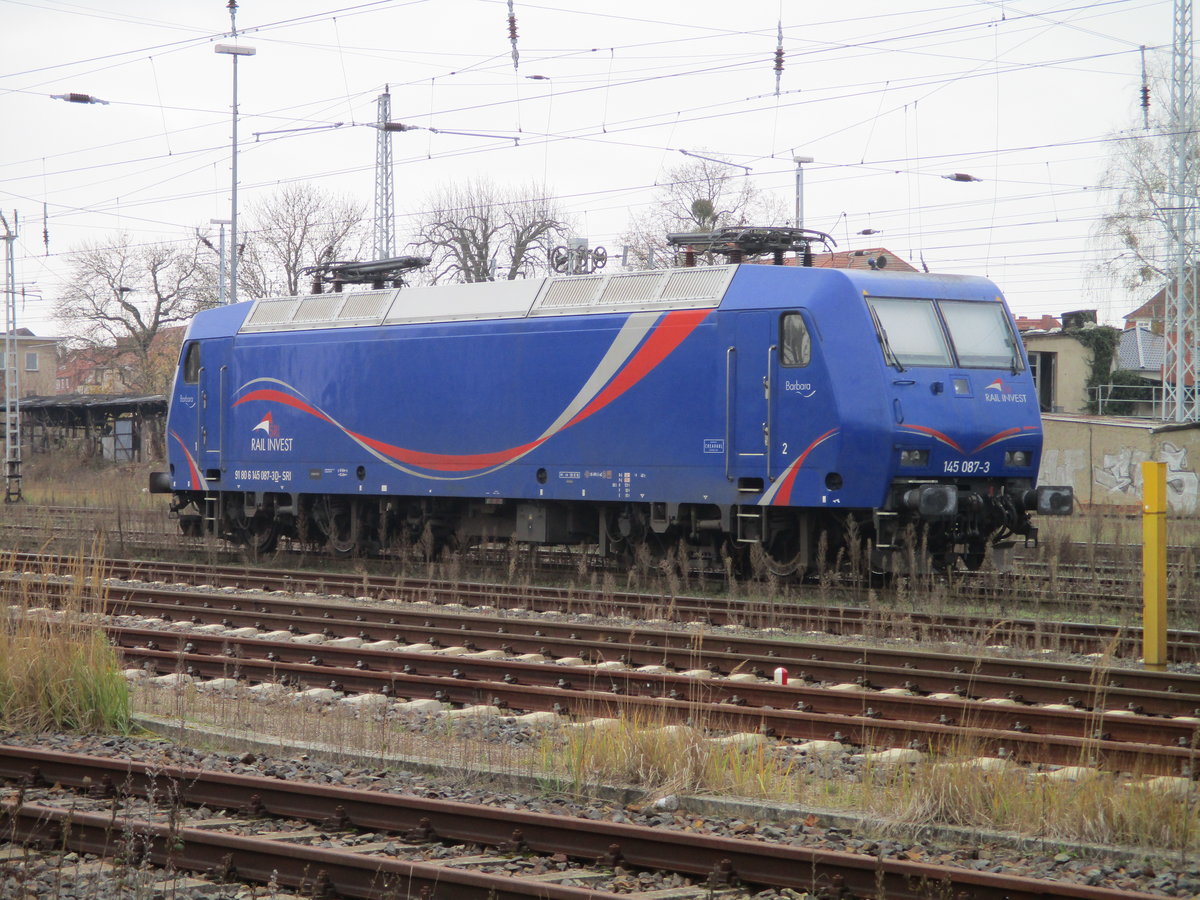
[734, 412]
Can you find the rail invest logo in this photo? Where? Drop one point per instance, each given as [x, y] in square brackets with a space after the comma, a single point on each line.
[264, 437]
[999, 392]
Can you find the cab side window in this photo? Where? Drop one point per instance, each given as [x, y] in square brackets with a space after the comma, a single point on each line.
[191, 363]
[795, 346]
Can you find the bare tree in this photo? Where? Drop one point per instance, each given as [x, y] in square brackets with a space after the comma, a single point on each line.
[120, 299]
[477, 231]
[299, 225]
[1136, 236]
[1136, 233]
[699, 195]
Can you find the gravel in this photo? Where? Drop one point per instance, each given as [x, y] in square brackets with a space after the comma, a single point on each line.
[1164, 878]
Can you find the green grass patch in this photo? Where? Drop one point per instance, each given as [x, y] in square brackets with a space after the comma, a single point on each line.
[57, 669]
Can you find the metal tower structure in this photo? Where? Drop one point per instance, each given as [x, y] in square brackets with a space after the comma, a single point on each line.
[12, 384]
[385, 197]
[1181, 322]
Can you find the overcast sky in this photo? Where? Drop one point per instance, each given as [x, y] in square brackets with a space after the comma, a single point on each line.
[887, 97]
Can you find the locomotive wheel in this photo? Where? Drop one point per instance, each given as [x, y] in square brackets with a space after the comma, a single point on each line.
[782, 553]
[262, 533]
[975, 555]
[259, 533]
[337, 518]
[781, 561]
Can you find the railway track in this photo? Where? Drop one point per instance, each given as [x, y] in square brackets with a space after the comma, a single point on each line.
[1104, 586]
[362, 643]
[162, 814]
[1026, 710]
[866, 720]
[827, 616]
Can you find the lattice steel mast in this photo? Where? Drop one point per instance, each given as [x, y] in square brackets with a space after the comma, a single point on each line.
[1180, 313]
[385, 197]
[12, 384]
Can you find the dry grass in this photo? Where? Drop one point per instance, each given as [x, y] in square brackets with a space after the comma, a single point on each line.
[57, 479]
[57, 669]
[1100, 807]
[284, 720]
[647, 752]
[665, 759]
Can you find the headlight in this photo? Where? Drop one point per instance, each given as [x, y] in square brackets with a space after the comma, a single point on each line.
[1017, 459]
[914, 457]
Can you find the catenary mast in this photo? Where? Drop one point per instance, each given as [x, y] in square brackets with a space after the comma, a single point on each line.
[1180, 402]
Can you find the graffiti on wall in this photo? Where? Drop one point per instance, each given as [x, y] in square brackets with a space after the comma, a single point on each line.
[1121, 473]
[1063, 466]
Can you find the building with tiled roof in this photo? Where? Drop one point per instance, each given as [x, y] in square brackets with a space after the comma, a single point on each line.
[1045, 323]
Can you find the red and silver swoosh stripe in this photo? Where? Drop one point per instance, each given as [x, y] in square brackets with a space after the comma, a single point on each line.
[196, 481]
[996, 438]
[644, 341]
[780, 493]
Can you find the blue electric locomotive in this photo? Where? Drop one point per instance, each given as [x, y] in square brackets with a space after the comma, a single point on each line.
[717, 408]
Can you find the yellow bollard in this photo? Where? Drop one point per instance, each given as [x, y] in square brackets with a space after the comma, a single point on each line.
[1154, 565]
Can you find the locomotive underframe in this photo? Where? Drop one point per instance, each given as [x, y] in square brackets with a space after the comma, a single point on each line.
[922, 524]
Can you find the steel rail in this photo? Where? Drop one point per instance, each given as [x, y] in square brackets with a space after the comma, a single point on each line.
[860, 730]
[228, 858]
[798, 695]
[1085, 637]
[1161, 693]
[1072, 584]
[425, 819]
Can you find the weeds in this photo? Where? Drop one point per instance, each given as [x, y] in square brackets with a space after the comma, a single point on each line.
[1101, 807]
[57, 669]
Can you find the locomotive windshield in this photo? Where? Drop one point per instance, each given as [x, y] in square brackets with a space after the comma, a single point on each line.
[911, 333]
[981, 335]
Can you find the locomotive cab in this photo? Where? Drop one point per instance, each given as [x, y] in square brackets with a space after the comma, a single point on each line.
[966, 432]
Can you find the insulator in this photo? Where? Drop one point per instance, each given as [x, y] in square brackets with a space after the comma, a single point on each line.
[512, 33]
[778, 56]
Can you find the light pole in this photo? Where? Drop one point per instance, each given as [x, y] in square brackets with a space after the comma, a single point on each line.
[234, 50]
[800, 161]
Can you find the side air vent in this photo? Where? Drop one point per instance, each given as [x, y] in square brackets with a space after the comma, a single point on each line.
[693, 284]
[313, 311]
[317, 308]
[269, 315]
[628, 291]
[568, 295]
[368, 305]
[637, 287]
[571, 293]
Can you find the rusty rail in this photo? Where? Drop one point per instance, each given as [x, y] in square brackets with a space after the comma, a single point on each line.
[731, 712]
[1079, 637]
[753, 862]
